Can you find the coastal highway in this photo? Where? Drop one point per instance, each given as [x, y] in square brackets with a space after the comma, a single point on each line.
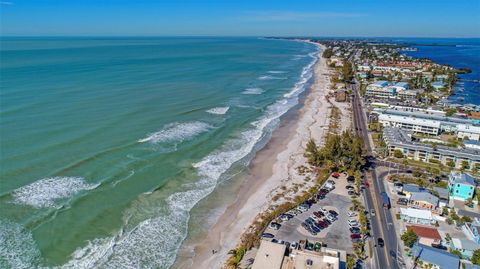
[381, 224]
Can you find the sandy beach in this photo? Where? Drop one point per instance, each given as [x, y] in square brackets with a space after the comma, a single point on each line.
[273, 170]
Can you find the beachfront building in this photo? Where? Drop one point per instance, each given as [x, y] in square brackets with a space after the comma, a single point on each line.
[465, 246]
[307, 256]
[269, 255]
[305, 259]
[417, 216]
[397, 139]
[461, 186]
[471, 132]
[472, 230]
[424, 200]
[436, 258]
[426, 235]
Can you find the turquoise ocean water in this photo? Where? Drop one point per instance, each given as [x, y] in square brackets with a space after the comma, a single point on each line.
[108, 143]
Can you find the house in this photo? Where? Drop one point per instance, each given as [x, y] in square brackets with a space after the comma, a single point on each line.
[472, 230]
[439, 259]
[424, 200]
[438, 85]
[269, 255]
[305, 259]
[442, 195]
[417, 216]
[426, 236]
[401, 86]
[409, 189]
[465, 246]
[461, 186]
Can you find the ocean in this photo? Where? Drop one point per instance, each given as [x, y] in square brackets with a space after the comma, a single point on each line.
[456, 52]
[108, 144]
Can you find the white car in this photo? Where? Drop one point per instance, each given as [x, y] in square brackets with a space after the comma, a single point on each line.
[351, 213]
[323, 210]
[353, 223]
[331, 218]
[315, 218]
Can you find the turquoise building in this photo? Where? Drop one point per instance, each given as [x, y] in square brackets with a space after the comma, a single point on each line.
[461, 186]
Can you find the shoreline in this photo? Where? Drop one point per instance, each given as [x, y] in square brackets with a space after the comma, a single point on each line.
[267, 175]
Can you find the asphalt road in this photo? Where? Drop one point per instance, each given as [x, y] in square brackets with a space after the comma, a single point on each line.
[382, 223]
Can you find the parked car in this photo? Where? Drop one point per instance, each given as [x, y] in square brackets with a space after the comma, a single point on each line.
[354, 236]
[331, 218]
[335, 174]
[402, 201]
[356, 240]
[275, 225]
[351, 214]
[351, 193]
[322, 224]
[333, 212]
[372, 212]
[286, 217]
[323, 210]
[351, 179]
[349, 187]
[267, 235]
[331, 182]
[355, 230]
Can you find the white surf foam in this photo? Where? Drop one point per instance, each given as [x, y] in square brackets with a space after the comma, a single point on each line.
[268, 77]
[46, 192]
[276, 72]
[218, 110]
[153, 242]
[17, 247]
[254, 91]
[177, 132]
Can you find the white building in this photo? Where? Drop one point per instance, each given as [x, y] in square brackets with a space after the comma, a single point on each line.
[416, 125]
[469, 131]
[418, 216]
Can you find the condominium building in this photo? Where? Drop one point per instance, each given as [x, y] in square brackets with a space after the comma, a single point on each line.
[398, 139]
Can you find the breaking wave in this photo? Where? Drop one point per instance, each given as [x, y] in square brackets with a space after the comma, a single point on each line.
[253, 91]
[270, 78]
[46, 192]
[218, 110]
[177, 132]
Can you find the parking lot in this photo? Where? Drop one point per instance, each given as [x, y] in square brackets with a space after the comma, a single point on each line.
[336, 235]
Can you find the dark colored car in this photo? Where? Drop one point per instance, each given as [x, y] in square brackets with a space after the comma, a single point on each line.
[380, 242]
[333, 212]
[327, 221]
[393, 254]
[318, 214]
[354, 236]
[322, 224]
[355, 230]
[267, 235]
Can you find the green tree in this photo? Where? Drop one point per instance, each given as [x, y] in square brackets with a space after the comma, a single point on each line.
[476, 257]
[398, 154]
[347, 71]
[327, 53]
[350, 261]
[456, 252]
[409, 237]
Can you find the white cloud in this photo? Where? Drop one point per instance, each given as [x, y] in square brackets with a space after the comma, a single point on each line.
[295, 15]
[6, 3]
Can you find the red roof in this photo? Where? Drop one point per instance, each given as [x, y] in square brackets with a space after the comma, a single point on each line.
[425, 232]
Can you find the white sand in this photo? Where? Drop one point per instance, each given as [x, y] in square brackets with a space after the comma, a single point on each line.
[269, 174]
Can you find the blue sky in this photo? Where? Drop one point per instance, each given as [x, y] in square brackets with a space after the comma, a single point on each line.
[419, 18]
